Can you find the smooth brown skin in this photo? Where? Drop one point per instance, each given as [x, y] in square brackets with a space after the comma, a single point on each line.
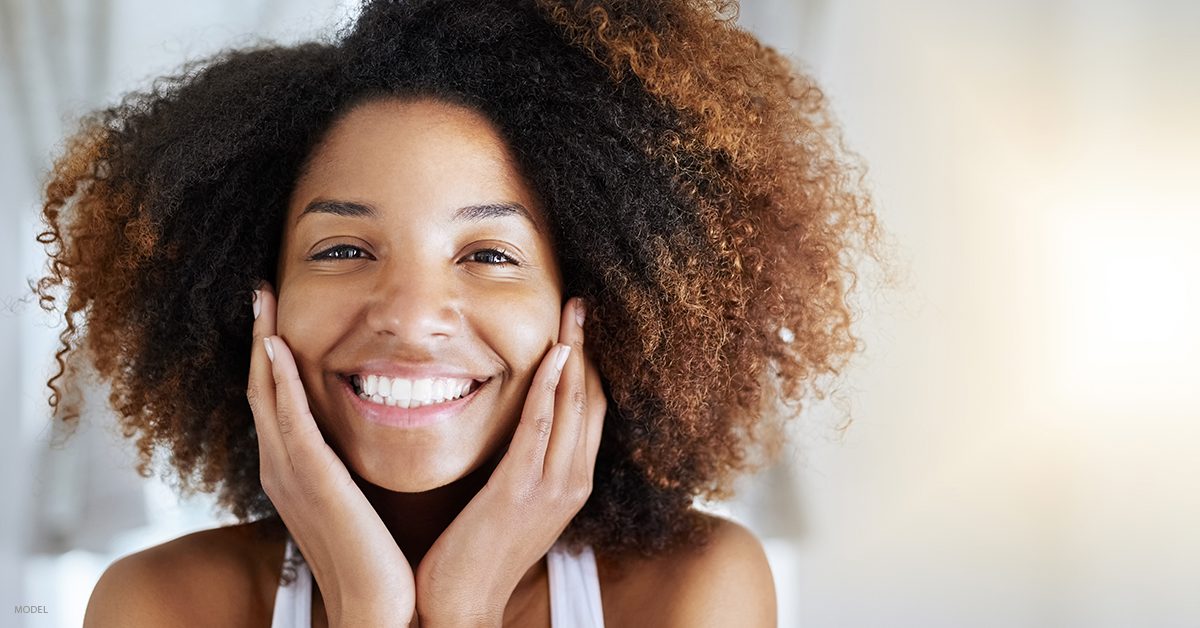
[424, 504]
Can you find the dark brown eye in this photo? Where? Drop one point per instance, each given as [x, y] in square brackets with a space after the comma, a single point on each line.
[339, 252]
[493, 257]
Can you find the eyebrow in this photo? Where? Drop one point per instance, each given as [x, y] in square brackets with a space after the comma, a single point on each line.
[469, 213]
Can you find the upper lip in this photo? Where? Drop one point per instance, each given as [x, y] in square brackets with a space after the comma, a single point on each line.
[409, 370]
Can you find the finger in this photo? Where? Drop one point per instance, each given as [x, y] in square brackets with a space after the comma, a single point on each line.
[297, 427]
[589, 445]
[528, 449]
[260, 389]
[571, 401]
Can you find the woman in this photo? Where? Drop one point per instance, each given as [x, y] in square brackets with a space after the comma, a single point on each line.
[506, 286]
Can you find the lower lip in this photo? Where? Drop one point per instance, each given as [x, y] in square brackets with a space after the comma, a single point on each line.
[395, 416]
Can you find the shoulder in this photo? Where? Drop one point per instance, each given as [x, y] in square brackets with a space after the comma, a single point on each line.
[211, 577]
[725, 582]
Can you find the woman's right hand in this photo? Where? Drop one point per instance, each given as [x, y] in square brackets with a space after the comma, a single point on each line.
[363, 576]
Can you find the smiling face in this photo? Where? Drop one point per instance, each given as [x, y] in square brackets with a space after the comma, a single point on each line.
[414, 252]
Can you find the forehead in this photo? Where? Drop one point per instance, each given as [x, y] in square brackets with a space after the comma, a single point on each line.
[424, 154]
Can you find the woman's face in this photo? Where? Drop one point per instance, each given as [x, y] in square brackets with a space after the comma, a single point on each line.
[414, 252]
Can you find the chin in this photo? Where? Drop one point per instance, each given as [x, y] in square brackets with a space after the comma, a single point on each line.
[417, 472]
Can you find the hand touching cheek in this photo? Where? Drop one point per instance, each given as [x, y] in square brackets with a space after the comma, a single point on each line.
[541, 483]
[364, 577]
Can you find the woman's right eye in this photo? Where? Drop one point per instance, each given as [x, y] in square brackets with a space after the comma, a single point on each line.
[339, 252]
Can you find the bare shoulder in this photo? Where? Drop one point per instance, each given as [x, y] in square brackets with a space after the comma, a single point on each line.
[725, 582]
[211, 577]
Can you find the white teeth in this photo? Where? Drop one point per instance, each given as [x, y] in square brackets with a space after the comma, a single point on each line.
[421, 389]
[407, 393]
[401, 388]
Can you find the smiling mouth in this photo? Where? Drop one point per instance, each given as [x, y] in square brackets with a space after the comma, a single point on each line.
[405, 393]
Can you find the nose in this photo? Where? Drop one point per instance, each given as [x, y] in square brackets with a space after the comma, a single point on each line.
[415, 307]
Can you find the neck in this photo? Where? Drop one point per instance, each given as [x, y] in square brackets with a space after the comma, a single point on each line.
[416, 520]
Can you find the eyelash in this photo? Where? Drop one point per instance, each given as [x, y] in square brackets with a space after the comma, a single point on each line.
[328, 254]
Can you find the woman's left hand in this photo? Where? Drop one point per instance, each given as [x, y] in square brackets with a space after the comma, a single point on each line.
[543, 480]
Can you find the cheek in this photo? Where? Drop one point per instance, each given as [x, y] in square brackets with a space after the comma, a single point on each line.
[525, 347]
[305, 320]
[520, 332]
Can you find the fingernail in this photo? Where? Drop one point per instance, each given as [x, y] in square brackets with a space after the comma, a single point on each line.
[257, 306]
[270, 351]
[580, 312]
[561, 358]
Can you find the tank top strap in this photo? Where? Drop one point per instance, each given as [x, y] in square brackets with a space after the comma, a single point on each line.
[574, 588]
[574, 591]
[293, 601]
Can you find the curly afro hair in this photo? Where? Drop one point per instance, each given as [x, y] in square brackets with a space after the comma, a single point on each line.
[698, 191]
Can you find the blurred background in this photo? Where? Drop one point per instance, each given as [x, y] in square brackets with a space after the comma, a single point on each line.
[1025, 443]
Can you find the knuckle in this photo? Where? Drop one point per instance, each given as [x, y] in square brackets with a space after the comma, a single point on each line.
[542, 425]
[579, 401]
[286, 424]
[549, 385]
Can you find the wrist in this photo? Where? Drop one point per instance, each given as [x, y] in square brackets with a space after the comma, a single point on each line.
[460, 619]
[369, 620]
[480, 604]
[353, 613]
[465, 611]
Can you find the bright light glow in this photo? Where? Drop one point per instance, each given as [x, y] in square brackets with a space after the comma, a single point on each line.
[1122, 281]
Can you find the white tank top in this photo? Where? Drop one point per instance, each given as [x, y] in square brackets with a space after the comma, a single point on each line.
[574, 591]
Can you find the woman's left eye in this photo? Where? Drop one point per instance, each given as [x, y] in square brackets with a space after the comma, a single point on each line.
[340, 252]
[493, 257]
